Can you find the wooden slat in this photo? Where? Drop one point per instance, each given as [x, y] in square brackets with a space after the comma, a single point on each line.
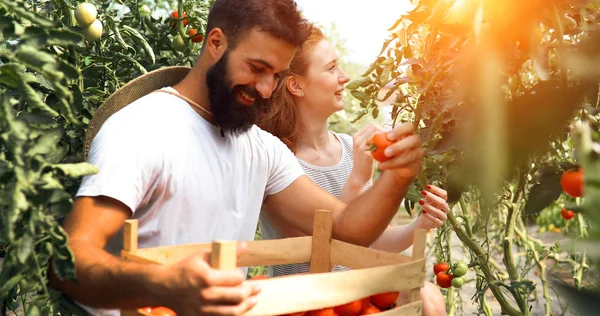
[412, 309]
[223, 255]
[357, 257]
[298, 293]
[418, 252]
[130, 235]
[258, 253]
[320, 258]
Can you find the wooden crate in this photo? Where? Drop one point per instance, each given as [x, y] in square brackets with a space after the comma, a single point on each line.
[373, 271]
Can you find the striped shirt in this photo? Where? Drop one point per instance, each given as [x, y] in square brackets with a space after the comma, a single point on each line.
[332, 179]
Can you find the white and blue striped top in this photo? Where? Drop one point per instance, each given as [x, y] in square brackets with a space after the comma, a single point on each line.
[332, 179]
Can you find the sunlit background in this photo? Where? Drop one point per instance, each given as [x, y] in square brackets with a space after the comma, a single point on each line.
[362, 26]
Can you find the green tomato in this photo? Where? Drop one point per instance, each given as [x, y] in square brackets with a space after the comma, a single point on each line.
[85, 14]
[93, 31]
[458, 282]
[179, 43]
[460, 269]
[145, 11]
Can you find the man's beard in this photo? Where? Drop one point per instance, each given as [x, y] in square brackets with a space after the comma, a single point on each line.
[228, 112]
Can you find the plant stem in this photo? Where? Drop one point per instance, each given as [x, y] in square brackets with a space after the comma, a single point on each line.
[509, 261]
[482, 256]
[582, 234]
[450, 297]
[529, 243]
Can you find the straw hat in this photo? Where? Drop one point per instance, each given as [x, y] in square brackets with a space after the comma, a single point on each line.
[130, 92]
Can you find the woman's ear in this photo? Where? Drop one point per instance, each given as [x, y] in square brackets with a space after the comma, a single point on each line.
[295, 86]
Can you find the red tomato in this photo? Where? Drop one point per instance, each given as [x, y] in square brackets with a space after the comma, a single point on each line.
[572, 182]
[350, 309]
[444, 280]
[378, 143]
[259, 277]
[384, 300]
[566, 214]
[321, 312]
[175, 15]
[162, 311]
[371, 310]
[196, 39]
[440, 267]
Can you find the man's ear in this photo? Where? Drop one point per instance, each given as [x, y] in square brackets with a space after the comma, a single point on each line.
[295, 86]
[216, 43]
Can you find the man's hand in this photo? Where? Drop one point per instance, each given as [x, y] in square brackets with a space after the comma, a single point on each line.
[192, 287]
[405, 153]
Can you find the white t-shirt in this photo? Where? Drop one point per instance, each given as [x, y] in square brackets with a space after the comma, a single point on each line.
[184, 182]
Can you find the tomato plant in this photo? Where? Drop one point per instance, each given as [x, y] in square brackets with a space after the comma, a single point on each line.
[499, 93]
[59, 60]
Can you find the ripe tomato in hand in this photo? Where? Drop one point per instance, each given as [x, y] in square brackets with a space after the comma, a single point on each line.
[444, 280]
[162, 311]
[572, 182]
[440, 267]
[384, 300]
[378, 143]
[566, 214]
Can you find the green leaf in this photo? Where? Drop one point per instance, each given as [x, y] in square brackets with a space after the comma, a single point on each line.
[34, 57]
[47, 142]
[24, 248]
[142, 40]
[9, 284]
[76, 170]
[542, 194]
[34, 100]
[9, 74]
[64, 37]
[68, 69]
[27, 15]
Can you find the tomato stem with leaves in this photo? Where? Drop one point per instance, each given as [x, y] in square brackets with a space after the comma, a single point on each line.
[533, 245]
[509, 261]
[482, 258]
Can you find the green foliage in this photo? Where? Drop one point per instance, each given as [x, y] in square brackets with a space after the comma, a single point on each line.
[51, 82]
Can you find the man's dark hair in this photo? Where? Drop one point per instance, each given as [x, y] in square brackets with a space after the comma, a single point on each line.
[279, 18]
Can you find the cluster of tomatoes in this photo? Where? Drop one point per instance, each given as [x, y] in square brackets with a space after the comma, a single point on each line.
[366, 306]
[572, 183]
[192, 33]
[450, 276]
[86, 16]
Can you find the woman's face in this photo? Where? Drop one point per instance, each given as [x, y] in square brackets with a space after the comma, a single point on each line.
[324, 80]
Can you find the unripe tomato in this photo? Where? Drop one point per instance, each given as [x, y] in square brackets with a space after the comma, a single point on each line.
[458, 282]
[460, 269]
[145, 11]
[572, 182]
[85, 14]
[179, 43]
[93, 31]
